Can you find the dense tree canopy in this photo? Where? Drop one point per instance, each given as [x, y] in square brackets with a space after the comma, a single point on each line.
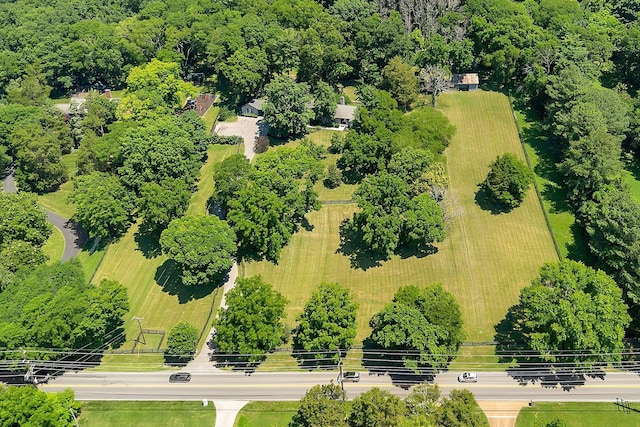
[202, 246]
[160, 203]
[52, 306]
[321, 406]
[105, 207]
[22, 219]
[424, 322]
[286, 110]
[251, 325]
[377, 408]
[572, 314]
[327, 324]
[30, 407]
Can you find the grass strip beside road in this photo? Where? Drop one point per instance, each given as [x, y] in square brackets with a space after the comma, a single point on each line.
[146, 414]
[579, 414]
[263, 414]
[54, 246]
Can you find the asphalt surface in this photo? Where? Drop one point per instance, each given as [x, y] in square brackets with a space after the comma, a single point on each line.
[248, 128]
[74, 236]
[292, 386]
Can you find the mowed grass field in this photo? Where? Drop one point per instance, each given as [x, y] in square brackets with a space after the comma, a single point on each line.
[266, 414]
[582, 414]
[146, 414]
[155, 292]
[485, 260]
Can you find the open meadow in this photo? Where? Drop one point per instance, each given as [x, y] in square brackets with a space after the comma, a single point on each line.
[579, 414]
[485, 260]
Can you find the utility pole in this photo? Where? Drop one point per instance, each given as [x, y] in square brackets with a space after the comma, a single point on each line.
[140, 338]
[340, 375]
[73, 414]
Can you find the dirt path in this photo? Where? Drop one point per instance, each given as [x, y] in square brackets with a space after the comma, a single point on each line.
[502, 413]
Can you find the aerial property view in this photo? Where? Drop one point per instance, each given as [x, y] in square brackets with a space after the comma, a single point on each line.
[319, 213]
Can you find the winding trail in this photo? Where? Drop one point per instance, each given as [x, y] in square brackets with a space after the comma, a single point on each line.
[74, 236]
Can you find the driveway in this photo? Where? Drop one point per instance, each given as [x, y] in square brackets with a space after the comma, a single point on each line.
[248, 128]
[74, 236]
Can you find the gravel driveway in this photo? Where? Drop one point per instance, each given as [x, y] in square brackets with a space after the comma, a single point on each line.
[248, 128]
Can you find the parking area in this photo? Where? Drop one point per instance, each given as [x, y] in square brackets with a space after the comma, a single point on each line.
[248, 128]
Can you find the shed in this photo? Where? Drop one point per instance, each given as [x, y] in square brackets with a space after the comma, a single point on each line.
[253, 108]
[467, 81]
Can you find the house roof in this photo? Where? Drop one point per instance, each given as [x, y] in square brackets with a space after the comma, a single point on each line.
[256, 103]
[467, 79]
[345, 112]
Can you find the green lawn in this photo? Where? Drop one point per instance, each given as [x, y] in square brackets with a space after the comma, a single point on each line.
[266, 414]
[149, 414]
[54, 246]
[571, 241]
[210, 117]
[583, 414]
[215, 154]
[485, 260]
[155, 291]
[57, 201]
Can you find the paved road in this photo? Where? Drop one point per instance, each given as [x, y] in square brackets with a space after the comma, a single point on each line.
[292, 386]
[74, 236]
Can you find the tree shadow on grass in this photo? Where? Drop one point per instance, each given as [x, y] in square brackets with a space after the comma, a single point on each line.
[148, 243]
[310, 362]
[579, 247]
[486, 203]
[527, 368]
[420, 251]
[352, 246]
[380, 361]
[168, 277]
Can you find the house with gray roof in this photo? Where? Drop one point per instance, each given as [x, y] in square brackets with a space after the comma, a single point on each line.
[253, 108]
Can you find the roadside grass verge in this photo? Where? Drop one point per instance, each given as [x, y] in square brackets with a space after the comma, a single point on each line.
[262, 414]
[485, 260]
[146, 414]
[54, 246]
[579, 414]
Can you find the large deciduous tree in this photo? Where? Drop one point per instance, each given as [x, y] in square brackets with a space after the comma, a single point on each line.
[161, 203]
[322, 406]
[376, 408]
[508, 180]
[251, 325]
[105, 207]
[327, 324]
[424, 322]
[230, 176]
[28, 406]
[287, 111]
[572, 315]
[22, 219]
[202, 246]
[182, 341]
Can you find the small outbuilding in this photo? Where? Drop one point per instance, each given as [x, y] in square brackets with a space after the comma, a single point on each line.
[253, 108]
[344, 115]
[467, 81]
